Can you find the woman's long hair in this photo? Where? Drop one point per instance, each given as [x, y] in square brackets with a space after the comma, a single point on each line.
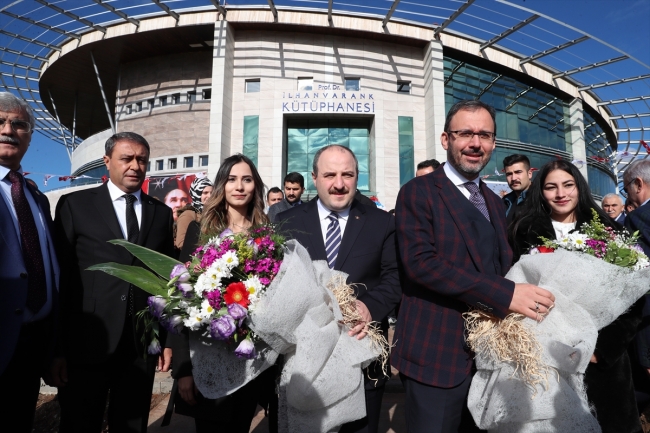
[215, 211]
[536, 207]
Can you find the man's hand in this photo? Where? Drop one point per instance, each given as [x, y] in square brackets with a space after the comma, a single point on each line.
[361, 330]
[58, 373]
[165, 360]
[594, 359]
[187, 389]
[531, 301]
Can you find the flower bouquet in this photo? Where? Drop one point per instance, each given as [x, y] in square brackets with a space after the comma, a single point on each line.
[530, 374]
[245, 298]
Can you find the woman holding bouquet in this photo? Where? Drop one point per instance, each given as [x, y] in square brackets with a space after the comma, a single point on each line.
[236, 203]
[559, 201]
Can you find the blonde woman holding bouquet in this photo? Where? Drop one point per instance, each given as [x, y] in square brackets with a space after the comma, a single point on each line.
[237, 204]
[559, 201]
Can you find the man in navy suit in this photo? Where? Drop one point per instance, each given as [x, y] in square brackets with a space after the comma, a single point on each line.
[356, 239]
[613, 206]
[28, 272]
[101, 346]
[452, 242]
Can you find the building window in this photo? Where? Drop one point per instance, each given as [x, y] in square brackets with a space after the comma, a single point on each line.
[251, 134]
[151, 103]
[148, 165]
[403, 87]
[129, 109]
[305, 84]
[163, 101]
[191, 96]
[176, 98]
[353, 84]
[252, 86]
[138, 107]
[188, 162]
[207, 94]
[171, 164]
[159, 164]
[203, 160]
[406, 155]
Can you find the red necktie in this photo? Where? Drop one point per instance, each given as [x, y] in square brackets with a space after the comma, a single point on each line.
[32, 254]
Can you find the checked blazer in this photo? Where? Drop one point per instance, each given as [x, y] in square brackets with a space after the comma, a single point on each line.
[442, 276]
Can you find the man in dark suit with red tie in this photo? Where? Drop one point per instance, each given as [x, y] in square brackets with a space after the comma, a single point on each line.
[452, 242]
[29, 273]
[356, 239]
[101, 345]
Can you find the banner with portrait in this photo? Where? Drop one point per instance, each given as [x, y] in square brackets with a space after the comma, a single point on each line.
[174, 191]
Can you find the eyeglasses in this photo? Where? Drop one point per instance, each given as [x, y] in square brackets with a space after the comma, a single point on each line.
[628, 184]
[464, 135]
[16, 125]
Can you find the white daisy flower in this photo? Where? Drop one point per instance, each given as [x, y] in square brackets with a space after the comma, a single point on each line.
[253, 285]
[564, 241]
[578, 240]
[194, 321]
[230, 259]
[207, 311]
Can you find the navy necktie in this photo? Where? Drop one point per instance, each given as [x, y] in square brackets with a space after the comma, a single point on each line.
[477, 199]
[32, 254]
[333, 239]
[132, 227]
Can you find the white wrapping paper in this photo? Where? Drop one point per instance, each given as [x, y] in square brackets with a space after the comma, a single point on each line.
[589, 295]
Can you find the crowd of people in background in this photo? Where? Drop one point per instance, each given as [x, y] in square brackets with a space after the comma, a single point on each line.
[448, 245]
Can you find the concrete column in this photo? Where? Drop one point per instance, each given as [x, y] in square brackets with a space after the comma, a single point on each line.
[577, 145]
[221, 102]
[434, 100]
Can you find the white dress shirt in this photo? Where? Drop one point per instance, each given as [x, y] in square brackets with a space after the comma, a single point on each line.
[458, 179]
[119, 204]
[47, 249]
[323, 214]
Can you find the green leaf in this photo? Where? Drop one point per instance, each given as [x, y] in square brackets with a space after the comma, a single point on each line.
[159, 263]
[135, 275]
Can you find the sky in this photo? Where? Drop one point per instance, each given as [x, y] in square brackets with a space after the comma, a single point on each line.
[622, 23]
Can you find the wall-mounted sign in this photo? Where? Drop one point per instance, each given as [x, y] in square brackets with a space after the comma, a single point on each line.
[328, 102]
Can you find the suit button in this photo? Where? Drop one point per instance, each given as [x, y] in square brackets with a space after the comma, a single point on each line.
[19, 311]
[123, 297]
[23, 275]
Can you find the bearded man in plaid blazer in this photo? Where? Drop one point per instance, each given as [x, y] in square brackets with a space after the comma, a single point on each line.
[453, 246]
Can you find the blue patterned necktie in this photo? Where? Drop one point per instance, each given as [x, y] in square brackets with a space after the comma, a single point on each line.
[477, 199]
[31, 245]
[333, 239]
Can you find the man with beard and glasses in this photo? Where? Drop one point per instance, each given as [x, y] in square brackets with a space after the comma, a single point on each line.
[29, 272]
[356, 239]
[519, 176]
[453, 246]
[294, 186]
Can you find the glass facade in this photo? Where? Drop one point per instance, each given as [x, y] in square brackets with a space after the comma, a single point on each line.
[251, 137]
[306, 136]
[599, 166]
[406, 146]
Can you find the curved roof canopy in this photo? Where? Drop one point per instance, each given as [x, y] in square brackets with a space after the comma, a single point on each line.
[32, 30]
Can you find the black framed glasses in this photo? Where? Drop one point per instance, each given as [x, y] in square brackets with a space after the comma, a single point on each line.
[626, 185]
[464, 135]
[16, 125]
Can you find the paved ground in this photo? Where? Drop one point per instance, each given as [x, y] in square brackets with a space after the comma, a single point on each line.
[391, 421]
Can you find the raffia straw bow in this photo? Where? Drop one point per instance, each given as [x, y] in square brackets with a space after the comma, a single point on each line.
[508, 340]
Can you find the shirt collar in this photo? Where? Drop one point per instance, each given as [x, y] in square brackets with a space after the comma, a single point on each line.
[324, 212]
[117, 193]
[456, 178]
[4, 171]
[645, 202]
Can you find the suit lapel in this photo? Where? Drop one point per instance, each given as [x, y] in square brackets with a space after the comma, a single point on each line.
[8, 230]
[497, 215]
[104, 206]
[450, 196]
[313, 231]
[356, 219]
[148, 213]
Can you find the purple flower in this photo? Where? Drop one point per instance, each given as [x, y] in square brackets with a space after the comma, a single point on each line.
[180, 271]
[214, 298]
[246, 350]
[186, 289]
[225, 233]
[236, 311]
[154, 347]
[156, 305]
[222, 328]
[173, 324]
